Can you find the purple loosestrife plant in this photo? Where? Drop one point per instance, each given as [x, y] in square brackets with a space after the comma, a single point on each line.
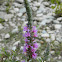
[31, 45]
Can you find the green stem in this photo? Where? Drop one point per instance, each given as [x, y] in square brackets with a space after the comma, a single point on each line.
[29, 12]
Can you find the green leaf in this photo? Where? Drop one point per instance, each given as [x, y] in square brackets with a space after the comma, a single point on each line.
[53, 7]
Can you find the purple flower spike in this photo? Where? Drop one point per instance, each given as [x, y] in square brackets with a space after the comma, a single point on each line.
[34, 55]
[30, 41]
[25, 28]
[23, 61]
[35, 45]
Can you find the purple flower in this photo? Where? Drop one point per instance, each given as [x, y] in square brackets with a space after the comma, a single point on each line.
[27, 34]
[24, 50]
[35, 45]
[26, 40]
[32, 49]
[35, 35]
[23, 61]
[34, 30]
[25, 28]
[34, 55]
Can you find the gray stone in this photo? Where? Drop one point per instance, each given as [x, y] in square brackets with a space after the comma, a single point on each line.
[16, 43]
[39, 15]
[55, 21]
[59, 19]
[16, 9]
[45, 35]
[19, 14]
[1, 27]
[37, 4]
[14, 48]
[56, 43]
[48, 40]
[46, 3]
[12, 24]
[22, 10]
[7, 35]
[34, 8]
[15, 30]
[5, 16]
[57, 26]
[41, 9]
[2, 15]
[52, 52]
[21, 48]
[17, 4]
[21, 1]
[52, 37]
[8, 16]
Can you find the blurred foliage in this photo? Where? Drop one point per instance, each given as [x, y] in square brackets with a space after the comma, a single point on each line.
[46, 54]
[58, 6]
[7, 55]
[2, 20]
[8, 5]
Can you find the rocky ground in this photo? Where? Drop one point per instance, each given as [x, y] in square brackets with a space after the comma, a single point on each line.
[49, 27]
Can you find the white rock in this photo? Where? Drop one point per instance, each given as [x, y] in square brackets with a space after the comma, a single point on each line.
[44, 32]
[16, 43]
[29, 0]
[56, 42]
[8, 16]
[34, 8]
[12, 24]
[7, 35]
[15, 30]
[21, 48]
[17, 58]
[12, 11]
[48, 40]
[1, 39]
[22, 10]
[57, 26]
[39, 45]
[56, 21]
[36, 4]
[52, 52]
[59, 57]
[45, 35]
[60, 18]
[55, 58]
[39, 15]
[16, 4]
[16, 9]
[46, 3]
[52, 37]
[35, 22]
[21, 1]
[13, 48]
[19, 14]
[1, 27]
